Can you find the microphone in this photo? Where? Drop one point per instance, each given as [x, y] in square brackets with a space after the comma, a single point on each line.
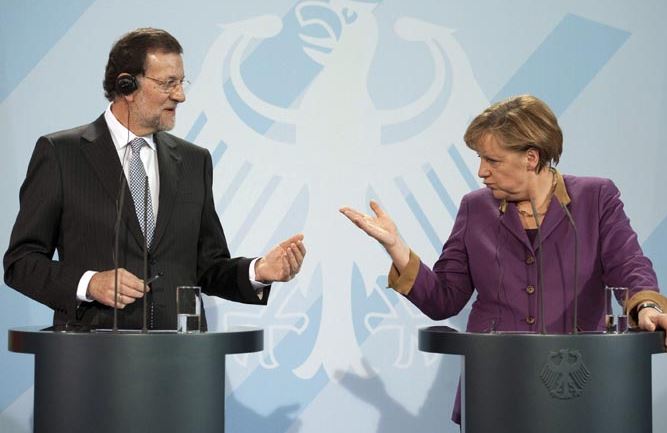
[576, 266]
[540, 273]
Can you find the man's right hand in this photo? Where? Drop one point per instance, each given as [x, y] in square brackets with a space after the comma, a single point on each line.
[101, 288]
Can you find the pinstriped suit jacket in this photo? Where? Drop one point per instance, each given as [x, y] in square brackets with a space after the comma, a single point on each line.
[68, 204]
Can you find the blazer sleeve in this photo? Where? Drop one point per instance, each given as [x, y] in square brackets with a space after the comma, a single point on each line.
[442, 292]
[623, 262]
[28, 263]
[218, 273]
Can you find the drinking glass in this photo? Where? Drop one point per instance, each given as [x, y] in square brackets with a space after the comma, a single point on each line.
[188, 309]
[616, 318]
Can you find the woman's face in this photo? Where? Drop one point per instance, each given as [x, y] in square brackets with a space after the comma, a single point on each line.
[506, 173]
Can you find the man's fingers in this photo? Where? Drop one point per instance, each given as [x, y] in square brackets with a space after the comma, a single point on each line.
[294, 261]
[123, 301]
[103, 288]
[286, 271]
[299, 252]
[130, 285]
[296, 238]
[283, 261]
[302, 249]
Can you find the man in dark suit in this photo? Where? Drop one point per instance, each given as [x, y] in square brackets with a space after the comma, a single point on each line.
[69, 203]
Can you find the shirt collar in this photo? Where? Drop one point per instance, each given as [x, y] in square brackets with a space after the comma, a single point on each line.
[560, 192]
[120, 134]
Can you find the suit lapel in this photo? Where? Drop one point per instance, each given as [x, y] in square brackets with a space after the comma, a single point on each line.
[169, 163]
[99, 150]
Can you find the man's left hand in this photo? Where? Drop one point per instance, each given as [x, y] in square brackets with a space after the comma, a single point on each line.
[283, 262]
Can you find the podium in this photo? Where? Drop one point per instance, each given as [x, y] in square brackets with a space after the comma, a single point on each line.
[526, 383]
[130, 382]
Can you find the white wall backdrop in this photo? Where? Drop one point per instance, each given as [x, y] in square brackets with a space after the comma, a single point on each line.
[310, 105]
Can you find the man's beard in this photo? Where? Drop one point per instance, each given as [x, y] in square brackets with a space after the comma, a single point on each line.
[155, 124]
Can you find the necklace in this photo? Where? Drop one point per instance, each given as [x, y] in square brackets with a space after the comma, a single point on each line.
[525, 213]
[545, 203]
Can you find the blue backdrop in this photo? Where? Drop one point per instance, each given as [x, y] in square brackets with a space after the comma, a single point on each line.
[310, 105]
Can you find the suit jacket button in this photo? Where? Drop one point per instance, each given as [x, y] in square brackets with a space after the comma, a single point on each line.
[530, 320]
[530, 290]
[530, 260]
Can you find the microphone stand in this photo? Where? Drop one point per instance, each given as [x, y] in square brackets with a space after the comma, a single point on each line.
[576, 267]
[116, 247]
[146, 192]
[540, 273]
[119, 213]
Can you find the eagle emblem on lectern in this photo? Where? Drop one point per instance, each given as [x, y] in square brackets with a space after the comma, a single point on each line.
[565, 374]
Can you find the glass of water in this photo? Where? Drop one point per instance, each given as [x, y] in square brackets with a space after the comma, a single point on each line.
[616, 318]
[188, 309]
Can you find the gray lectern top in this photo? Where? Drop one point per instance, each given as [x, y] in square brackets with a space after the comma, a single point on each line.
[34, 339]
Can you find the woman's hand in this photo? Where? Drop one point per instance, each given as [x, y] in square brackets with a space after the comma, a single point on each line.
[381, 228]
[651, 319]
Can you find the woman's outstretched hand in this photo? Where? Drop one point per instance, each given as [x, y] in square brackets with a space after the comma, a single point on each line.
[383, 229]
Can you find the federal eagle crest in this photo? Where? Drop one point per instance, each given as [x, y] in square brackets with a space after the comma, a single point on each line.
[565, 374]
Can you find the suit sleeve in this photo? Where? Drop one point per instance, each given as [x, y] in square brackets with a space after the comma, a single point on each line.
[28, 263]
[219, 274]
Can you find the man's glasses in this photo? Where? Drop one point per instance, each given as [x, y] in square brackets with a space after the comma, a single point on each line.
[170, 85]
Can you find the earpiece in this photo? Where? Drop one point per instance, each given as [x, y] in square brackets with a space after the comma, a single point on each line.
[126, 84]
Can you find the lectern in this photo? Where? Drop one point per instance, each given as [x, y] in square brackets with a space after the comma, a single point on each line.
[107, 382]
[526, 383]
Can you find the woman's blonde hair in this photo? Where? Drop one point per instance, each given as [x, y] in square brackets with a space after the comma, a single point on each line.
[520, 123]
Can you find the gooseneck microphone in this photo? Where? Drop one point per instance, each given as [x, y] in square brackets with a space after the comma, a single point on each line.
[540, 273]
[576, 266]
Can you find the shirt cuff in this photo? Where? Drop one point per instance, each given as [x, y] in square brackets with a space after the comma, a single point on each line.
[82, 287]
[403, 283]
[258, 286]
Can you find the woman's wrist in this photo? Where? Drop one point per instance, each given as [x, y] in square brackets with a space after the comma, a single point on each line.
[400, 255]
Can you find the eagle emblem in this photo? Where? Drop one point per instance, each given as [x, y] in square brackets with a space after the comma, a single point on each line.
[565, 374]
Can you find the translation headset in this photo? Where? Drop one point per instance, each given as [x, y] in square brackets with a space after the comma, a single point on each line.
[126, 84]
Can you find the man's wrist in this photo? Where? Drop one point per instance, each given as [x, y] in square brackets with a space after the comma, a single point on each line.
[82, 287]
[254, 276]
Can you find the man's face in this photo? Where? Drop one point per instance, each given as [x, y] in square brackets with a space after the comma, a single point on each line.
[152, 107]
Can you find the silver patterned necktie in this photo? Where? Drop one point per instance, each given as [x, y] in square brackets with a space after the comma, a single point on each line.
[138, 182]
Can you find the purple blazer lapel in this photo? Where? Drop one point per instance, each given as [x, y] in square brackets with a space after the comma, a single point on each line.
[553, 218]
[510, 220]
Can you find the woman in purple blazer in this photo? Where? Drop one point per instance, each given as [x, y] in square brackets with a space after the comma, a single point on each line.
[493, 247]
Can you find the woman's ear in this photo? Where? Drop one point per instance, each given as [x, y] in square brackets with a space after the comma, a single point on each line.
[532, 159]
